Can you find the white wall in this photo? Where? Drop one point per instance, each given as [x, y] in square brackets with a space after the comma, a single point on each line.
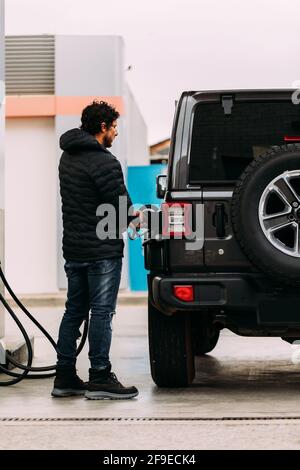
[136, 133]
[30, 211]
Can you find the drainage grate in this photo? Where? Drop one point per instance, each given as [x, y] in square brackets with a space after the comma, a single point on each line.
[86, 419]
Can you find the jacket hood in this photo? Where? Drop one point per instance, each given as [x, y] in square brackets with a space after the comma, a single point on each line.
[76, 140]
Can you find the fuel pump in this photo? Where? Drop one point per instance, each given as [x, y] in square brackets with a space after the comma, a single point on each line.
[28, 372]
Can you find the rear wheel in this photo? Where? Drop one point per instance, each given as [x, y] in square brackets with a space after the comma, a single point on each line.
[291, 340]
[170, 348]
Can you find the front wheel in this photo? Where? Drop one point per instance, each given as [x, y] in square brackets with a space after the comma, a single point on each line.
[170, 348]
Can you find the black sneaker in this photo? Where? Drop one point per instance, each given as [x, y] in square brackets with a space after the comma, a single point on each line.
[67, 383]
[104, 384]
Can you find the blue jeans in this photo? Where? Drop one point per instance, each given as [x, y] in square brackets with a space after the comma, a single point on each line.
[92, 286]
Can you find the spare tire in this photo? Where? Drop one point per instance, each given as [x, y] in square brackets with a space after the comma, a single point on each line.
[265, 213]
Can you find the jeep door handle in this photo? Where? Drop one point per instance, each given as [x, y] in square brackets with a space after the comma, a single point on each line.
[219, 220]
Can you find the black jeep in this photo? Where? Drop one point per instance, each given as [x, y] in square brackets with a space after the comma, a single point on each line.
[228, 250]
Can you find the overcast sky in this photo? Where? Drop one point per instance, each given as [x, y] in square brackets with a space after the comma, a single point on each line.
[176, 45]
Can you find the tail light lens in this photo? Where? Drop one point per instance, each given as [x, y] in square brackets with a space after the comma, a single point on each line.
[292, 138]
[176, 217]
[185, 293]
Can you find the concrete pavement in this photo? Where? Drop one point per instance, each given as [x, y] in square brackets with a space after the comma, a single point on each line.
[245, 396]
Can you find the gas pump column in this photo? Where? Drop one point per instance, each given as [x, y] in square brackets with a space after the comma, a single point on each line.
[2, 130]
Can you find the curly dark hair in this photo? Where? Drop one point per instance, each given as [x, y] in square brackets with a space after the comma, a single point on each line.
[96, 113]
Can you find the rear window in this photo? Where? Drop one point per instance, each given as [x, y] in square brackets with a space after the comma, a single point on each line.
[223, 145]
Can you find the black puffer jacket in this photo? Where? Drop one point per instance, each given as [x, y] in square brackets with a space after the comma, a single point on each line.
[89, 176]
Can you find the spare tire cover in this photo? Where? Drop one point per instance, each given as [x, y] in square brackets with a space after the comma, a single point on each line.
[265, 213]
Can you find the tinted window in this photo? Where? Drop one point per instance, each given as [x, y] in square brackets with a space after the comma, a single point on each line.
[223, 145]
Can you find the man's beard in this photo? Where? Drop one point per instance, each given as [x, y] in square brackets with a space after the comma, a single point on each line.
[107, 142]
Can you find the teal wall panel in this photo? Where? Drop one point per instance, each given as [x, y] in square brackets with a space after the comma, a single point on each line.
[142, 189]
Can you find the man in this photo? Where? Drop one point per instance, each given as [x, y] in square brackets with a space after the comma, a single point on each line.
[90, 176]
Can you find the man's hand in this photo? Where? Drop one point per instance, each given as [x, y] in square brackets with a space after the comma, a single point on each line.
[139, 225]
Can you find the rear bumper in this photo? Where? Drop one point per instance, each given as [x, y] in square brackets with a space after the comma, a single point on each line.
[229, 294]
[218, 291]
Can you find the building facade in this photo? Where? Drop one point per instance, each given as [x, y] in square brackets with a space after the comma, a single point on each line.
[49, 80]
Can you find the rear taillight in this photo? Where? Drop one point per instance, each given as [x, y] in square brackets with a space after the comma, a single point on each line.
[292, 138]
[185, 293]
[176, 219]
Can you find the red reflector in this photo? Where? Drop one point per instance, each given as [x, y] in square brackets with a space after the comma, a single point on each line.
[185, 293]
[292, 138]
